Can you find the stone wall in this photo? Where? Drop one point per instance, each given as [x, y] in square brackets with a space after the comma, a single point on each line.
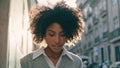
[4, 13]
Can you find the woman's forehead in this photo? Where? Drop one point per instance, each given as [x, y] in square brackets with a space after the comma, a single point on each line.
[55, 27]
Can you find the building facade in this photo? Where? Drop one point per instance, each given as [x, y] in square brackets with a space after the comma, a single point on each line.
[101, 39]
[15, 39]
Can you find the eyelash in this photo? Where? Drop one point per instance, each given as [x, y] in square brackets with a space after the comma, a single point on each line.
[51, 34]
[62, 35]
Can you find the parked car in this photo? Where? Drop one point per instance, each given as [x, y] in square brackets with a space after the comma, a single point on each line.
[94, 65]
[115, 65]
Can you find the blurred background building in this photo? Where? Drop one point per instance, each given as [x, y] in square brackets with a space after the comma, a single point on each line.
[15, 39]
[100, 41]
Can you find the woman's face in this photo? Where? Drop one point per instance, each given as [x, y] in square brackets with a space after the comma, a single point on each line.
[55, 38]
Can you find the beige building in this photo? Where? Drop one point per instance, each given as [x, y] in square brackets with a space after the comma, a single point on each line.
[4, 9]
[101, 39]
[15, 39]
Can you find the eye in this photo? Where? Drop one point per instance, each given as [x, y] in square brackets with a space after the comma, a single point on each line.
[62, 34]
[51, 34]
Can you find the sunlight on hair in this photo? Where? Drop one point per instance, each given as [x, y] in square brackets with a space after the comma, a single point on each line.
[51, 3]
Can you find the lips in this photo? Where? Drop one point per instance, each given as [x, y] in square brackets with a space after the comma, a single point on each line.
[57, 48]
[57, 45]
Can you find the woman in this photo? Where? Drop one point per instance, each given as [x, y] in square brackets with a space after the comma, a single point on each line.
[56, 26]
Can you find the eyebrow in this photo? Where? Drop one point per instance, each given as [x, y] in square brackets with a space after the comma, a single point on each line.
[54, 32]
[51, 31]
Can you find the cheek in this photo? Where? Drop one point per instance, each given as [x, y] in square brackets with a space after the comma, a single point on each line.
[48, 40]
[63, 40]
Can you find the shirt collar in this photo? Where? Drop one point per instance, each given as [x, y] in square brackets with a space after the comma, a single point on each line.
[38, 52]
[41, 51]
[66, 52]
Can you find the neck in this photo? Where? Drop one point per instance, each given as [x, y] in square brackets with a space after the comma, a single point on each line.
[52, 54]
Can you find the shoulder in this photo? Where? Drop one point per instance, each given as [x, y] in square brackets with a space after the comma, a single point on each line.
[77, 60]
[75, 57]
[27, 57]
[32, 55]
[72, 56]
[25, 60]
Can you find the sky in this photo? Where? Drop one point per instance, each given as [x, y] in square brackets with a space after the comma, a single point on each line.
[71, 3]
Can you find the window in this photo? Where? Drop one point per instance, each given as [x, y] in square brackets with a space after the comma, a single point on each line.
[85, 13]
[102, 5]
[96, 11]
[102, 54]
[109, 53]
[97, 30]
[105, 26]
[116, 22]
[117, 53]
[114, 2]
[83, 1]
[89, 10]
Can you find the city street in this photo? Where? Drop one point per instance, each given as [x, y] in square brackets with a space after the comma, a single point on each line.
[99, 46]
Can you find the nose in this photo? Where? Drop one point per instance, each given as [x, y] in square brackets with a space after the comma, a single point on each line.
[57, 39]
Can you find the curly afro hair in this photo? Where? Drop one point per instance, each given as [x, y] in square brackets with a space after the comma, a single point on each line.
[68, 17]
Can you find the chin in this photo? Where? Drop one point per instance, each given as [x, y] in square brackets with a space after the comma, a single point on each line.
[57, 50]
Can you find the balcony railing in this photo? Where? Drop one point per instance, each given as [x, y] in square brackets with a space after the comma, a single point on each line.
[97, 39]
[89, 44]
[85, 47]
[95, 20]
[105, 35]
[82, 4]
[115, 34]
[92, 2]
[103, 12]
[89, 11]
[84, 17]
[90, 28]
